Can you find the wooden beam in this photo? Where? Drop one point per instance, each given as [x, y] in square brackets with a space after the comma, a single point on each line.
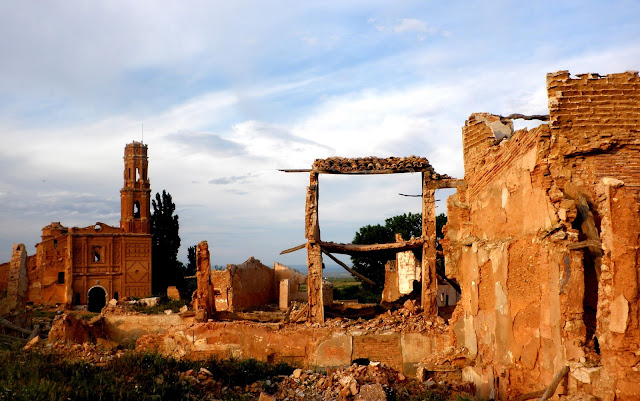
[355, 172]
[445, 183]
[550, 391]
[429, 277]
[8, 324]
[347, 268]
[350, 249]
[295, 248]
[314, 252]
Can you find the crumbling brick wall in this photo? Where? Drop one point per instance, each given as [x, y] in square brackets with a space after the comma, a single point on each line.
[543, 239]
[4, 277]
[243, 286]
[282, 272]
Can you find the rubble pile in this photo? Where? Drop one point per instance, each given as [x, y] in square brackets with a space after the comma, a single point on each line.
[375, 382]
[407, 319]
[372, 163]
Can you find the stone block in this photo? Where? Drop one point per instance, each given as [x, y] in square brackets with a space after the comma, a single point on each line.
[336, 351]
[173, 293]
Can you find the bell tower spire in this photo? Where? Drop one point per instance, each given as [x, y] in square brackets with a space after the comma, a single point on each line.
[135, 211]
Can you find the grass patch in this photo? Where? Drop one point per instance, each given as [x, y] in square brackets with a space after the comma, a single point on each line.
[134, 376]
[356, 291]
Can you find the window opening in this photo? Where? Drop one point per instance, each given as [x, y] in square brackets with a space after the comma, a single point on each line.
[60, 277]
[55, 243]
[76, 298]
[136, 209]
[97, 253]
[116, 296]
[137, 174]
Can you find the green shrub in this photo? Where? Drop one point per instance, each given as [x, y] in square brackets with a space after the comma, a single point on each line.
[134, 376]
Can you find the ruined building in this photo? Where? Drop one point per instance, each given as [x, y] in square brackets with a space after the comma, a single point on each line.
[544, 239]
[89, 265]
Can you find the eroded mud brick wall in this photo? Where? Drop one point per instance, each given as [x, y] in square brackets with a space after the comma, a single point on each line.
[4, 277]
[244, 286]
[543, 239]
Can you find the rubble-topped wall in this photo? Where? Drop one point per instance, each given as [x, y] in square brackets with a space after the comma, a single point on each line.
[372, 164]
[543, 239]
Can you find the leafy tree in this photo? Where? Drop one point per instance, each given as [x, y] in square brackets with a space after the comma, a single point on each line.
[372, 265]
[167, 270]
[188, 286]
[191, 261]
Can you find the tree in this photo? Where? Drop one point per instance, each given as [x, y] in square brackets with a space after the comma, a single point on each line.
[372, 264]
[167, 270]
[191, 261]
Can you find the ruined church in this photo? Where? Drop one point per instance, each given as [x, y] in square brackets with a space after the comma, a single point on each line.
[90, 265]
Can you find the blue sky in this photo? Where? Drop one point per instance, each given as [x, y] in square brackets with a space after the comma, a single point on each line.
[229, 92]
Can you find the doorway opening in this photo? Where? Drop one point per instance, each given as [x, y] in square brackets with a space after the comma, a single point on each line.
[97, 299]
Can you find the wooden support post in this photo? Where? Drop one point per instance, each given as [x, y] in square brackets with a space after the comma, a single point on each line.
[429, 280]
[314, 252]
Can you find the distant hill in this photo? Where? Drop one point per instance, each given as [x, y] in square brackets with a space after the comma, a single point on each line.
[329, 270]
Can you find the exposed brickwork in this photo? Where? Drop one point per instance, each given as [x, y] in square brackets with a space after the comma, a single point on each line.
[543, 239]
[382, 348]
[70, 261]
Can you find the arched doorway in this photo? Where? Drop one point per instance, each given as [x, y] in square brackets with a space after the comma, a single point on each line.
[97, 298]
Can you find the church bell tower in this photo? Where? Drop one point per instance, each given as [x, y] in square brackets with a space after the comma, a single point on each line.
[135, 211]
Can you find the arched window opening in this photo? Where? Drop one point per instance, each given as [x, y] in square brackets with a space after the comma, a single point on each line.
[136, 209]
[137, 174]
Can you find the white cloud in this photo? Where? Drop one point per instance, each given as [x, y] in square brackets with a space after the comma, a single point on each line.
[410, 25]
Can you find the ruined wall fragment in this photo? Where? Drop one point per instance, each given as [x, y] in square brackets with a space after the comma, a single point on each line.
[296, 279]
[244, 286]
[530, 239]
[17, 281]
[203, 295]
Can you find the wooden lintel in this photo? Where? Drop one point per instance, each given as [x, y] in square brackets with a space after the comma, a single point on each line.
[594, 244]
[355, 172]
[349, 249]
[295, 248]
[445, 183]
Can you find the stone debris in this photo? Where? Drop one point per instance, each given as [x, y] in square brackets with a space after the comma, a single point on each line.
[375, 381]
[372, 163]
[68, 328]
[173, 293]
[401, 320]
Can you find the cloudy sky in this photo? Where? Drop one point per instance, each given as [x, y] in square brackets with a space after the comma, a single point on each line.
[230, 91]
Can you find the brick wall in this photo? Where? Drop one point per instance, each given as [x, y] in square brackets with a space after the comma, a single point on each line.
[4, 276]
[513, 240]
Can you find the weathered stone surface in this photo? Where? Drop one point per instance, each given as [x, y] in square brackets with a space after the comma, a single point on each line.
[70, 262]
[243, 286]
[203, 299]
[173, 293]
[68, 328]
[543, 238]
[336, 351]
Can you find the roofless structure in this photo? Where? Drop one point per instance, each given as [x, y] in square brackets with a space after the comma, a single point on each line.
[431, 180]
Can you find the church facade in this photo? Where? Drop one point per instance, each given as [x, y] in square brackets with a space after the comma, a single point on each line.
[90, 265]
